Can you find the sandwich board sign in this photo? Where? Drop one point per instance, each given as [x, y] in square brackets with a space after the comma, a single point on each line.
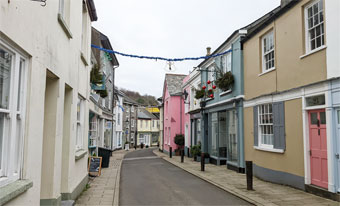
[95, 166]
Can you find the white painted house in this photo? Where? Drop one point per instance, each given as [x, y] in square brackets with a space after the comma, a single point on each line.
[44, 95]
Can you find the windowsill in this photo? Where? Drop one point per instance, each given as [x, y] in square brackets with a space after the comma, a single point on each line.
[80, 154]
[225, 93]
[269, 70]
[63, 25]
[209, 99]
[313, 51]
[14, 189]
[82, 56]
[269, 149]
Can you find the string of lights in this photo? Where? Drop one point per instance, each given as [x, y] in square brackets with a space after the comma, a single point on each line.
[161, 58]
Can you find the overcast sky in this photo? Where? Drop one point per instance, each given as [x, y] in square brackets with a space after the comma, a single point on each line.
[169, 28]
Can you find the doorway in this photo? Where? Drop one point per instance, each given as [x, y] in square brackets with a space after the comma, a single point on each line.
[318, 147]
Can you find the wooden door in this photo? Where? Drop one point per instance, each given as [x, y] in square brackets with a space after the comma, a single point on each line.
[318, 148]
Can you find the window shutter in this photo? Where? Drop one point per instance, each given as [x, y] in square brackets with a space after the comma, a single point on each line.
[256, 133]
[279, 125]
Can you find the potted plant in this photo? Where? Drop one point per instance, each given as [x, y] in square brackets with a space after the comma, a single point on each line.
[196, 150]
[127, 145]
[225, 81]
[179, 141]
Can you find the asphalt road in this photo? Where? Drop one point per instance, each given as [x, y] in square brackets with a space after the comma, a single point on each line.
[149, 180]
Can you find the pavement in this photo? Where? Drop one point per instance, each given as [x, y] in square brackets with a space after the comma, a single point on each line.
[104, 190]
[147, 179]
[264, 193]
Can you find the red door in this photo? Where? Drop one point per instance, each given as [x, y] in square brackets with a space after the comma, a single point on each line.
[318, 147]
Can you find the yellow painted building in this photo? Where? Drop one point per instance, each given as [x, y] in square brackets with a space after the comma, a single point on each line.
[286, 89]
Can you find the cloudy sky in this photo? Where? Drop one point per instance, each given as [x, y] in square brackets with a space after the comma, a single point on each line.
[169, 28]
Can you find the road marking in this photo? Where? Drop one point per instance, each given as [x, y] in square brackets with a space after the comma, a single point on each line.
[141, 158]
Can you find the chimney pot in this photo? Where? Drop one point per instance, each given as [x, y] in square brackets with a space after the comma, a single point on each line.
[208, 51]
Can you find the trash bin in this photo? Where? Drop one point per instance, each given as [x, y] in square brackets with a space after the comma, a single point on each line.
[105, 154]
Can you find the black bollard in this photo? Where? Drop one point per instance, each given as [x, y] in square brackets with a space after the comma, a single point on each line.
[135, 147]
[182, 155]
[170, 153]
[249, 173]
[202, 161]
[188, 150]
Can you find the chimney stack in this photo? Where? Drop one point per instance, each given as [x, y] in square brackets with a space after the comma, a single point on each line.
[285, 2]
[208, 51]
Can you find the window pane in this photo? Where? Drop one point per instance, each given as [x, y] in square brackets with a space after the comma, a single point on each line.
[314, 118]
[20, 83]
[5, 78]
[323, 117]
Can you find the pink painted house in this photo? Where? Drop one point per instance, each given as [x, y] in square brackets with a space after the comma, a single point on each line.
[173, 110]
[186, 89]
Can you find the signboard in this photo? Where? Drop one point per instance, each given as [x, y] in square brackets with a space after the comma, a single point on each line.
[95, 166]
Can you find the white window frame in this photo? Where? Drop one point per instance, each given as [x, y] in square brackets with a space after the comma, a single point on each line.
[226, 61]
[321, 24]
[211, 73]
[79, 143]
[264, 53]
[267, 125]
[85, 31]
[13, 146]
[93, 132]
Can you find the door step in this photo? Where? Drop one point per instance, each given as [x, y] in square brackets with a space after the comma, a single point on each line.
[322, 192]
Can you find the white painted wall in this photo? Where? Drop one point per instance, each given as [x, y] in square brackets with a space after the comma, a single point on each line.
[332, 18]
[35, 29]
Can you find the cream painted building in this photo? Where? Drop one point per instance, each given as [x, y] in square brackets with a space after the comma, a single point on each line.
[292, 96]
[147, 128]
[44, 95]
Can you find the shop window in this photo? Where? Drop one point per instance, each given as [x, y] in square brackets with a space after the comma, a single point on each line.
[232, 136]
[214, 134]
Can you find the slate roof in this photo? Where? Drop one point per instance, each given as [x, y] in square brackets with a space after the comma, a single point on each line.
[174, 83]
[144, 114]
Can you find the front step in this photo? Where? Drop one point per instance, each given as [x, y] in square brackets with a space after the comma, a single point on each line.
[322, 192]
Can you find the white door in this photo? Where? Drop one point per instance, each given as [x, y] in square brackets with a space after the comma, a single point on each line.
[338, 143]
[147, 140]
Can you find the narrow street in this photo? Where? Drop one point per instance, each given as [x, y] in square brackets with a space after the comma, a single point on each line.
[147, 179]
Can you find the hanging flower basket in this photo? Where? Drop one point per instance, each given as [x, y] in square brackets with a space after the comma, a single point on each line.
[225, 82]
[199, 93]
[102, 93]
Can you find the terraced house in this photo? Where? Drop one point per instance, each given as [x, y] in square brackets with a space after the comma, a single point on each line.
[222, 103]
[44, 66]
[292, 96]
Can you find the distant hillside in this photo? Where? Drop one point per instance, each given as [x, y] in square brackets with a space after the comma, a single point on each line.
[147, 100]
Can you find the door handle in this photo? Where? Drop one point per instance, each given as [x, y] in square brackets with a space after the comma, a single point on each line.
[337, 155]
